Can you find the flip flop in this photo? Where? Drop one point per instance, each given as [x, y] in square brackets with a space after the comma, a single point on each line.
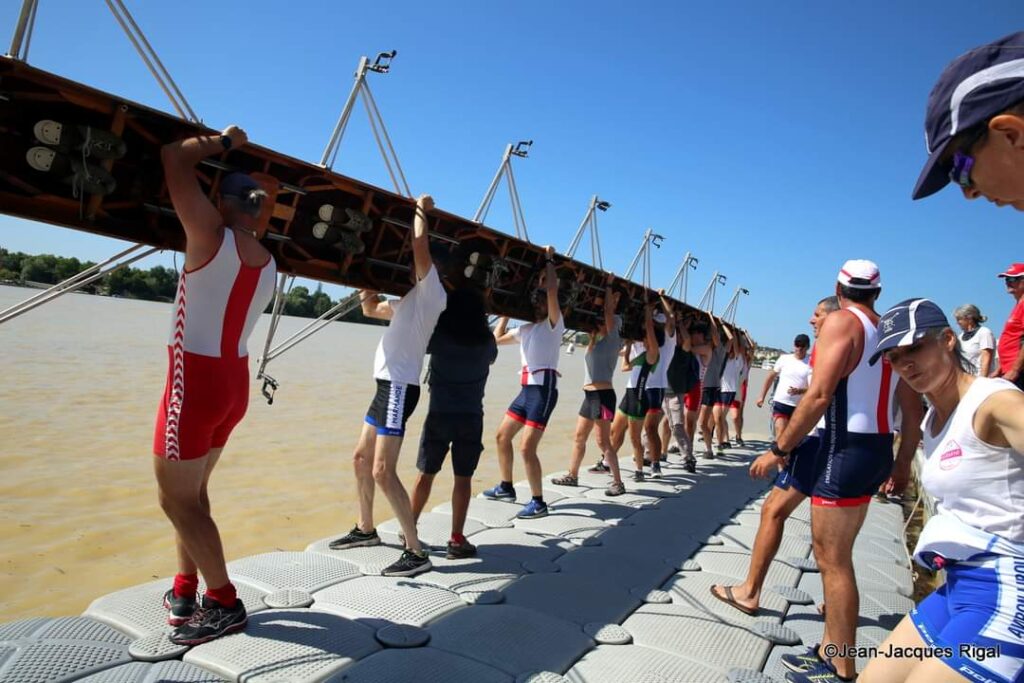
[731, 601]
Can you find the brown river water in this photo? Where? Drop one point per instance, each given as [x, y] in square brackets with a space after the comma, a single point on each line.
[80, 381]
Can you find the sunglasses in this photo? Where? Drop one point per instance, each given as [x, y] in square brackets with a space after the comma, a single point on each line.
[1013, 280]
[963, 162]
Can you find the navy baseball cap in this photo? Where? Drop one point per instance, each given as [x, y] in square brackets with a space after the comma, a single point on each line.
[907, 322]
[238, 185]
[802, 340]
[974, 87]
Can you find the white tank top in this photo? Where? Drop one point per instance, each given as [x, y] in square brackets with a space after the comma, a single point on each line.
[863, 399]
[979, 484]
[219, 302]
[659, 375]
[538, 350]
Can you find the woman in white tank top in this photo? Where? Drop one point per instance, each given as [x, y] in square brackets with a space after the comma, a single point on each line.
[973, 626]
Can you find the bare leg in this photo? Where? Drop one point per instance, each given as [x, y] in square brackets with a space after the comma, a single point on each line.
[385, 461]
[834, 531]
[604, 442]
[665, 428]
[461, 492]
[718, 414]
[651, 421]
[705, 419]
[421, 492]
[180, 483]
[186, 565]
[883, 669]
[506, 432]
[620, 426]
[776, 510]
[579, 445]
[362, 463]
[737, 421]
[635, 428]
[691, 429]
[528, 446]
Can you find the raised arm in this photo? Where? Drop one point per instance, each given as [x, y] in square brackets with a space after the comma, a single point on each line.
[670, 315]
[501, 335]
[551, 285]
[421, 237]
[651, 350]
[198, 216]
[372, 305]
[611, 301]
[627, 347]
[716, 336]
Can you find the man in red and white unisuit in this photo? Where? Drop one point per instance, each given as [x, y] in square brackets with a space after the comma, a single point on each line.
[227, 282]
[855, 457]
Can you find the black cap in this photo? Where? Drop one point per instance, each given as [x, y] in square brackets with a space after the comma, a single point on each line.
[802, 340]
[972, 89]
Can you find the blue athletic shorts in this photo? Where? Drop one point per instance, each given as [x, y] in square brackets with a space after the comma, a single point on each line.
[726, 398]
[977, 619]
[851, 468]
[802, 469]
[534, 404]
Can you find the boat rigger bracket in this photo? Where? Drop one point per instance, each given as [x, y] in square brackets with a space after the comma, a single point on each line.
[707, 300]
[521, 149]
[361, 89]
[590, 223]
[680, 282]
[643, 257]
[729, 314]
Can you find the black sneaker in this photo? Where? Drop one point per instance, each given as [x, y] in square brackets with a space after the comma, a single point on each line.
[460, 551]
[410, 563]
[673, 449]
[638, 475]
[656, 470]
[179, 610]
[803, 662]
[599, 468]
[210, 621]
[355, 539]
[690, 464]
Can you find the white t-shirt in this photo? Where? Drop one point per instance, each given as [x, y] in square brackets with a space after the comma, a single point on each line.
[732, 375]
[659, 375]
[402, 347]
[980, 340]
[794, 373]
[538, 350]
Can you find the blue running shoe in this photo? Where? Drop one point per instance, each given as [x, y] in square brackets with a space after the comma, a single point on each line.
[823, 673]
[533, 509]
[500, 493]
[803, 662]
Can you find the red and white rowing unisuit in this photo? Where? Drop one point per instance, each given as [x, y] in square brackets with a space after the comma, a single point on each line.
[207, 390]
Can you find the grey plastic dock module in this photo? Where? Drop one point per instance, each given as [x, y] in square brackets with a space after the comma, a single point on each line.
[377, 600]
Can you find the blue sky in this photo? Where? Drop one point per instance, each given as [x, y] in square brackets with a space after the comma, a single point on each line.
[773, 140]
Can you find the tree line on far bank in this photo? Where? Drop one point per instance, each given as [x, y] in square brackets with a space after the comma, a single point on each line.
[158, 283]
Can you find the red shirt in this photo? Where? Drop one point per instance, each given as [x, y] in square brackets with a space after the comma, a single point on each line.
[1009, 340]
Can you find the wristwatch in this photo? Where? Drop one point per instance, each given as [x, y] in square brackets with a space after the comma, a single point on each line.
[778, 452]
[225, 142]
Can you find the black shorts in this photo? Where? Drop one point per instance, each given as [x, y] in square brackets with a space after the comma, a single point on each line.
[633, 404]
[851, 468]
[782, 410]
[725, 398]
[391, 407]
[462, 433]
[654, 398]
[709, 396]
[598, 404]
[801, 471]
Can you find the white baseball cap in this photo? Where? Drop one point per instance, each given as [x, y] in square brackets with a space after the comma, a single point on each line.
[860, 274]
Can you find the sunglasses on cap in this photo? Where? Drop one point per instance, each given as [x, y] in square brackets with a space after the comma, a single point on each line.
[963, 162]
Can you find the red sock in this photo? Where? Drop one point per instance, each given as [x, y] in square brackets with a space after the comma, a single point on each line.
[225, 595]
[458, 539]
[186, 585]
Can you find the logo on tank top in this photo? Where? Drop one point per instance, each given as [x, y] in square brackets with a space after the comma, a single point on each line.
[950, 457]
